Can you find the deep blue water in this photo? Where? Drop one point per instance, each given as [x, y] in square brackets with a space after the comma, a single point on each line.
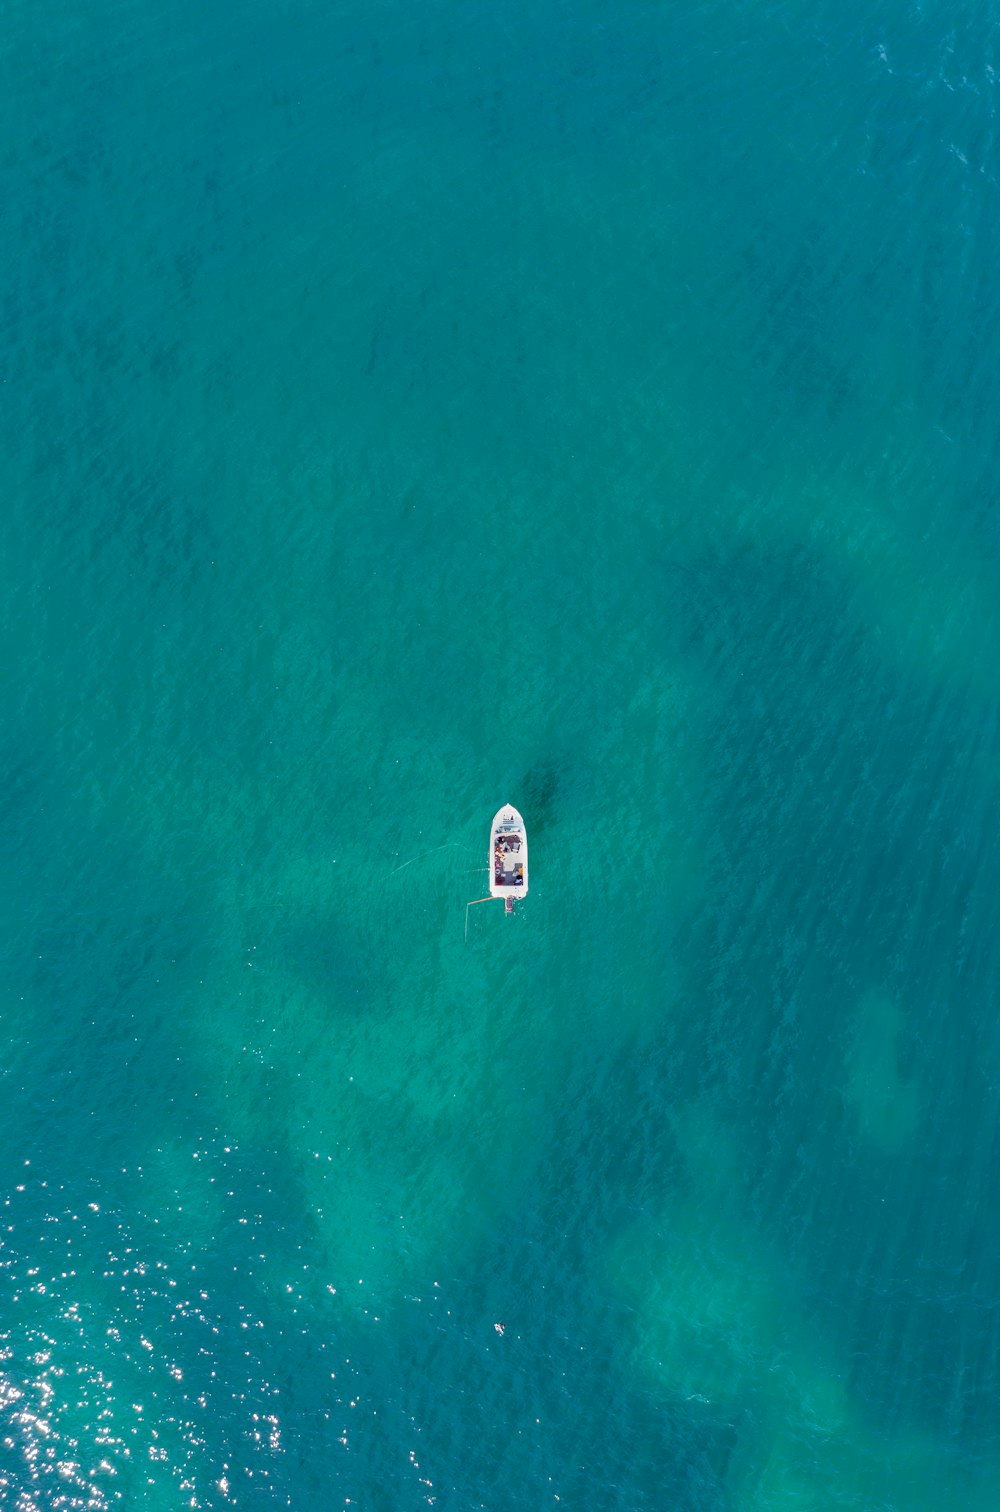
[410, 409]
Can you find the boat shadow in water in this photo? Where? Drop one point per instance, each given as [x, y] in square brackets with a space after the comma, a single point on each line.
[539, 793]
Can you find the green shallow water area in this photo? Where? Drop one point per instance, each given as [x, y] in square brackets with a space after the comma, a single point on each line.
[407, 410]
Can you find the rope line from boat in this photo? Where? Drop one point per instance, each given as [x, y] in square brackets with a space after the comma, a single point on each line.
[449, 844]
[472, 905]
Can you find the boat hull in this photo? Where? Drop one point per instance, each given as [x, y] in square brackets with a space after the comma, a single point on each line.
[508, 860]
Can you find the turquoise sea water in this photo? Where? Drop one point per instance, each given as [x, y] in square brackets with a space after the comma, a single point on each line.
[407, 409]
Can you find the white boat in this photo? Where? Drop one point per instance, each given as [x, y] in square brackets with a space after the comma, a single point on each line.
[508, 857]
